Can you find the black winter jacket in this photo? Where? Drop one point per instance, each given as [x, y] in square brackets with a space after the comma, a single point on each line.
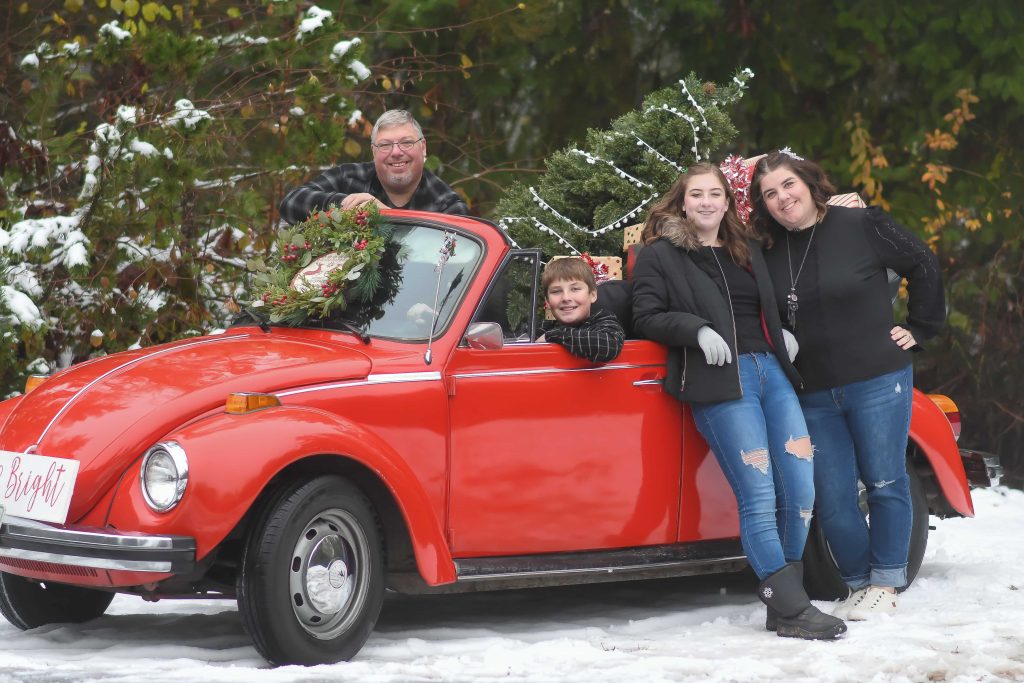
[673, 298]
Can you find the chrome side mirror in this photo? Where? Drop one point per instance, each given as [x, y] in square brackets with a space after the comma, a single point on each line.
[487, 336]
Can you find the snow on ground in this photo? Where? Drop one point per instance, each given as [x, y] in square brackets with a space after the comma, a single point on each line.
[963, 620]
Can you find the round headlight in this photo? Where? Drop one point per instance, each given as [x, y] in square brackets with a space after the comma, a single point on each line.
[164, 475]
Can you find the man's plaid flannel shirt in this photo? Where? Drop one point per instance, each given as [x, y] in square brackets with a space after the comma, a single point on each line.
[330, 187]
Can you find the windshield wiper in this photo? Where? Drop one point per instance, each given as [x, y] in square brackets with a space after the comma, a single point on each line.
[354, 329]
[247, 312]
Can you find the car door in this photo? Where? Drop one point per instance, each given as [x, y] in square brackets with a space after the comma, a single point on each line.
[551, 453]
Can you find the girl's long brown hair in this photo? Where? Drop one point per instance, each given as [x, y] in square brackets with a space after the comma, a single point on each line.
[669, 209]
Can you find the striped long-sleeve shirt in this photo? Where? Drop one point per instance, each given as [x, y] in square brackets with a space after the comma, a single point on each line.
[598, 339]
[334, 184]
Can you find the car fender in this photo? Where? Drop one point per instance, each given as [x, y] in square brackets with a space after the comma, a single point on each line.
[7, 407]
[931, 432]
[232, 459]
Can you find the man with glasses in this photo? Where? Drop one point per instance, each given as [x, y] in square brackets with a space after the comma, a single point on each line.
[395, 179]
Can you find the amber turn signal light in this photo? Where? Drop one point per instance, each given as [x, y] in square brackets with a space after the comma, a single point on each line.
[947, 406]
[34, 381]
[241, 403]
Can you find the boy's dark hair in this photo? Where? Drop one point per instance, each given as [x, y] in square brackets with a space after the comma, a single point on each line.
[571, 268]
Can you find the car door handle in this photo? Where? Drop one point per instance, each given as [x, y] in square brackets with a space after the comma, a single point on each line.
[648, 382]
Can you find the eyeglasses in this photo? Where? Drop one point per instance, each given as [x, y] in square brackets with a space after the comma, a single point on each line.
[386, 147]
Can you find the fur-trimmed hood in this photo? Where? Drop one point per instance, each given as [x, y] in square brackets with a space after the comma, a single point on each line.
[680, 232]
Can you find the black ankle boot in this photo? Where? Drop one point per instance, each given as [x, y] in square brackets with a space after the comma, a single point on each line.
[771, 620]
[795, 616]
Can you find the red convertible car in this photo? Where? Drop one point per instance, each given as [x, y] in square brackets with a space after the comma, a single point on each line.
[422, 442]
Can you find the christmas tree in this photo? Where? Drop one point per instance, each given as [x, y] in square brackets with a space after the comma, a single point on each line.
[589, 193]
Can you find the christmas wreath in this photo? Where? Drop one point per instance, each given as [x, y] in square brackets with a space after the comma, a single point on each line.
[322, 265]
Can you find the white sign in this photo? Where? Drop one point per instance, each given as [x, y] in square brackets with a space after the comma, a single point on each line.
[316, 273]
[36, 486]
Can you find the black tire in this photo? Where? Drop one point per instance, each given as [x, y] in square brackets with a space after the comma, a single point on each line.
[28, 603]
[298, 616]
[821, 577]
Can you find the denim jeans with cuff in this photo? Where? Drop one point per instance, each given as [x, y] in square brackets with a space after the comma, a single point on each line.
[859, 431]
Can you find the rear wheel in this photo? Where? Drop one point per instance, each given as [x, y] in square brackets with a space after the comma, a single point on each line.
[821, 577]
[312, 579]
[28, 603]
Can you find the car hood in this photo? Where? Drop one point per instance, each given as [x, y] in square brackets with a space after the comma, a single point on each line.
[106, 412]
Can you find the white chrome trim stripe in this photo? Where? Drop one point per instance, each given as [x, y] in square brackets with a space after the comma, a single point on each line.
[433, 376]
[387, 378]
[548, 371]
[110, 372]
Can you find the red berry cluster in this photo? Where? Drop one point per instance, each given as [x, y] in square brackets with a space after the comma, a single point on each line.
[329, 288]
[359, 245]
[362, 216]
[291, 252]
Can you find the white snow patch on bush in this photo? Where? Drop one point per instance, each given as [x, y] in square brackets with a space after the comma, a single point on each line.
[144, 148]
[341, 48]
[38, 232]
[113, 30]
[38, 367]
[75, 252]
[20, 306]
[186, 114]
[315, 18]
[128, 114]
[359, 69]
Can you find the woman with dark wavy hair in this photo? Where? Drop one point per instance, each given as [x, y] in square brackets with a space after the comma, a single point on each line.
[829, 264]
[701, 287]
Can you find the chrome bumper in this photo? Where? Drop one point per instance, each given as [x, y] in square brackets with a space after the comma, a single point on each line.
[983, 469]
[27, 539]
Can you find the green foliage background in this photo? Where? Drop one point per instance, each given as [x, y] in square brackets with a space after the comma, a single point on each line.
[917, 105]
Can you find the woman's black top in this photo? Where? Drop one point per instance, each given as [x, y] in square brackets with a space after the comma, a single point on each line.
[742, 291]
[844, 315]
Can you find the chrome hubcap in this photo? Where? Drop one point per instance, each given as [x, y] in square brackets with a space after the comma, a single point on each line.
[326, 575]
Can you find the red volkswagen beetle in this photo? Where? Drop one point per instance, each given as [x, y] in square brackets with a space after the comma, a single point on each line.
[421, 442]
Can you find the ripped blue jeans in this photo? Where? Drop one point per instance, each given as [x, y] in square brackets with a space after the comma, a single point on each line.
[859, 431]
[760, 442]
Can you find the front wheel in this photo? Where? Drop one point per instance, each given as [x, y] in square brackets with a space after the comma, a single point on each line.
[821, 576]
[28, 603]
[311, 583]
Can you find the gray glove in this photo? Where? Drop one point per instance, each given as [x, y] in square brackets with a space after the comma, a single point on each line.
[792, 348]
[716, 351]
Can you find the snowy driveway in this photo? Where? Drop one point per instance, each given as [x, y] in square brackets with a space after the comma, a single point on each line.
[962, 621]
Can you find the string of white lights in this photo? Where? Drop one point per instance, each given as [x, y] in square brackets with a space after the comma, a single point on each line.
[502, 224]
[700, 109]
[618, 171]
[662, 157]
[686, 117]
[551, 231]
[621, 221]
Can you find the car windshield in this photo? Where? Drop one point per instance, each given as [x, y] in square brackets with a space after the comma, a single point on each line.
[403, 305]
